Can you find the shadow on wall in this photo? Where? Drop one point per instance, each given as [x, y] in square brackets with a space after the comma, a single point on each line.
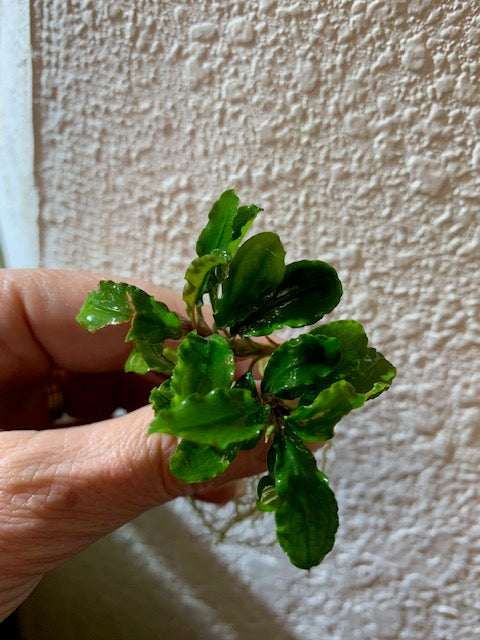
[151, 579]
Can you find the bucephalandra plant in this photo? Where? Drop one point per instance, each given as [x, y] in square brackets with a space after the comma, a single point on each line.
[309, 382]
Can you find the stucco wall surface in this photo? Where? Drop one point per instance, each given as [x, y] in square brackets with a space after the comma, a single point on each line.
[356, 126]
[18, 196]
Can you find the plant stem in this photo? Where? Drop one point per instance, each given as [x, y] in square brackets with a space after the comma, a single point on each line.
[247, 348]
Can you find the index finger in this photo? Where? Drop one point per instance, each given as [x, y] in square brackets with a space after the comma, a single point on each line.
[38, 329]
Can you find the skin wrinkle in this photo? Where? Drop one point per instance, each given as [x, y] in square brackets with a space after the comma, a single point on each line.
[33, 300]
[40, 487]
[67, 502]
[81, 521]
[59, 492]
[112, 464]
[23, 306]
[31, 349]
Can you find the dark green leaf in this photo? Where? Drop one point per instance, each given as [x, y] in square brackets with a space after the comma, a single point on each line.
[364, 367]
[315, 422]
[299, 365]
[194, 462]
[247, 381]
[196, 275]
[153, 321]
[227, 225]
[203, 364]
[352, 338]
[218, 232]
[372, 374]
[137, 361]
[109, 304]
[307, 516]
[161, 396]
[271, 457]
[268, 498]
[309, 290]
[241, 224]
[219, 419]
[152, 324]
[255, 271]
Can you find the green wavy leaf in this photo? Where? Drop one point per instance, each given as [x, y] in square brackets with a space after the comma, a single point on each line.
[315, 422]
[193, 462]
[372, 374]
[108, 304]
[307, 513]
[299, 365]
[364, 367]
[152, 322]
[219, 419]
[161, 396]
[309, 290]
[203, 364]
[227, 225]
[196, 276]
[255, 271]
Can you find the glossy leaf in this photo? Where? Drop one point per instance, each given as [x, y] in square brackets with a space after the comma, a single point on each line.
[307, 516]
[196, 276]
[203, 364]
[152, 320]
[352, 338]
[219, 419]
[250, 444]
[309, 290]
[364, 367]
[247, 381]
[193, 462]
[255, 272]
[152, 324]
[315, 422]
[161, 396]
[227, 225]
[217, 234]
[108, 304]
[141, 363]
[268, 498]
[299, 365]
[372, 374]
[241, 224]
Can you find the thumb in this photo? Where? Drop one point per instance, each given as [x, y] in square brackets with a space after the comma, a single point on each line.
[61, 489]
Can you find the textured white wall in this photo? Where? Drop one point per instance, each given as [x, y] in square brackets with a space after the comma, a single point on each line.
[19, 239]
[356, 125]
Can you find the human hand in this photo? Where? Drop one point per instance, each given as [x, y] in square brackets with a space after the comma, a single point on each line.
[61, 488]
